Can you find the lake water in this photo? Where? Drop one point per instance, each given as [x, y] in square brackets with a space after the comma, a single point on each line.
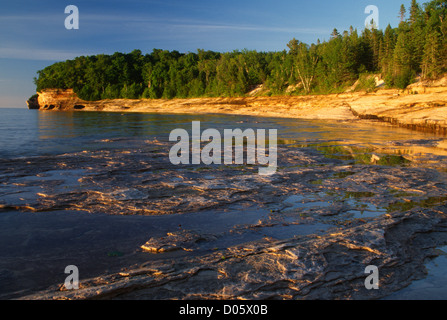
[97, 162]
[26, 132]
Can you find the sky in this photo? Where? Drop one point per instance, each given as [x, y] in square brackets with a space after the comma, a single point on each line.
[33, 33]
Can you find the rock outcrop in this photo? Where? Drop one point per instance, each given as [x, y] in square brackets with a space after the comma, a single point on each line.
[160, 231]
[422, 108]
[58, 99]
[32, 102]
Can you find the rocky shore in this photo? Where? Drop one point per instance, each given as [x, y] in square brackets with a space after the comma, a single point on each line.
[166, 232]
[146, 229]
[418, 107]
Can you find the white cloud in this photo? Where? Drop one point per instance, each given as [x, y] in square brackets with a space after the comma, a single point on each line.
[254, 28]
[28, 17]
[123, 29]
[157, 23]
[39, 54]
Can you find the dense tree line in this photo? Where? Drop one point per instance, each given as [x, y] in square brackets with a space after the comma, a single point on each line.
[418, 46]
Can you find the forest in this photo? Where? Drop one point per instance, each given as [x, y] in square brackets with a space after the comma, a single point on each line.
[417, 47]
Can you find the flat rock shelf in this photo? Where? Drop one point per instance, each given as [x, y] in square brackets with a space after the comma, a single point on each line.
[139, 227]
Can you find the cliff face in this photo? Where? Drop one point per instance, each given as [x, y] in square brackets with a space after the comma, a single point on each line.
[33, 103]
[416, 108]
[59, 99]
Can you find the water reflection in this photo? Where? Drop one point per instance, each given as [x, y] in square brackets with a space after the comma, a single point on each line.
[373, 136]
[373, 133]
[133, 183]
[32, 132]
[49, 121]
[93, 128]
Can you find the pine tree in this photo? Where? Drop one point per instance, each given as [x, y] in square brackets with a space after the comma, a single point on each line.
[402, 59]
[432, 64]
[417, 32]
[387, 52]
[335, 34]
[414, 11]
[402, 13]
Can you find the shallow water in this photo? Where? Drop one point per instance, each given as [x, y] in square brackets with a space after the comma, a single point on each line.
[433, 287]
[90, 188]
[26, 132]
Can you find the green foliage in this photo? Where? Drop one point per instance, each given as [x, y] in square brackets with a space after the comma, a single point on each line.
[33, 97]
[367, 83]
[404, 78]
[417, 46]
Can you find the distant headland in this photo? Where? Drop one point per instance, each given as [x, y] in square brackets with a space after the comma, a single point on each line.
[418, 107]
[397, 75]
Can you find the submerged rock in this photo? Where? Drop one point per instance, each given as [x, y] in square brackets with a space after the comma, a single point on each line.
[178, 240]
[299, 234]
[330, 266]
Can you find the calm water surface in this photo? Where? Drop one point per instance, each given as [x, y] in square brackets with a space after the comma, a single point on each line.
[29, 133]
[26, 132]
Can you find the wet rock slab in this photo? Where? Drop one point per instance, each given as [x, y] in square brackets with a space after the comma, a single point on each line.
[330, 266]
[213, 232]
[179, 240]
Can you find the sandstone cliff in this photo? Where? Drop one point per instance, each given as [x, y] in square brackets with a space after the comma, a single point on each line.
[59, 99]
[417, 107]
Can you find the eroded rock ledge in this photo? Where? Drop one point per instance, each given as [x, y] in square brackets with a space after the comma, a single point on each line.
[422, 109]
[309, 267]
[318, 223]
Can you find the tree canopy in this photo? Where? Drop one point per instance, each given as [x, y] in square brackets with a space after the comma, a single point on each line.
[417, 46]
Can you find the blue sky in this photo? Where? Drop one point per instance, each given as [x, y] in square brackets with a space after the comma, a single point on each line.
[33, 35]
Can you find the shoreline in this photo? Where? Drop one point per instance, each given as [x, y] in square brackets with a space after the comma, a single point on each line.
[146, 229]
[419, 109]
[142, 228]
